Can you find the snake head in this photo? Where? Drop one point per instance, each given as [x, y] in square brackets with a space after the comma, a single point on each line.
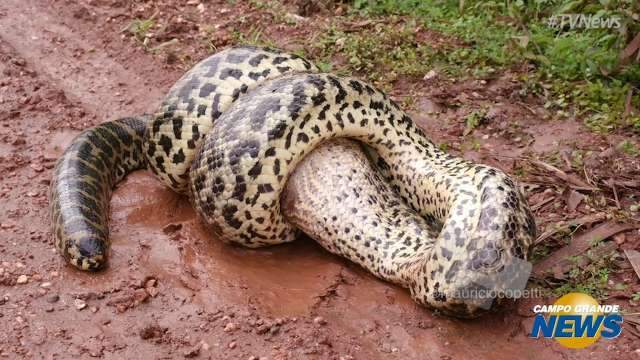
[86, 253]
[474, 285]
[481, 258]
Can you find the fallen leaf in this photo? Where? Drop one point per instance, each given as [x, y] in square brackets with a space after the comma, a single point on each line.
[634, 259]
[574, 199]
[631, 49]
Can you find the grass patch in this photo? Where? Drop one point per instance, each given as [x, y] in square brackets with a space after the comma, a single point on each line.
[592, 279]
[252, 37]
[139, 28]
[474, 119]
[579, 71]
[629, 148]
[382, 56]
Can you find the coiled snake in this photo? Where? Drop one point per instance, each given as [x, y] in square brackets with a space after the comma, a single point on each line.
[238, 132]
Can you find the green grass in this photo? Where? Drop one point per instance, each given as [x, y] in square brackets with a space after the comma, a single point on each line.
[140, 27]
[629, 148]
[474, 119]
[578, 70]
[252, 37]
[389, 52]
[592, 279]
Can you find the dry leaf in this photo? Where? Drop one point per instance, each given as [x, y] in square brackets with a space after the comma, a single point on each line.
[634, 259]
[631, 49]
[574, 199]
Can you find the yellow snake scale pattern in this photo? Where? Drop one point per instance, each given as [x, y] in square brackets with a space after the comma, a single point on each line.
[233, 130]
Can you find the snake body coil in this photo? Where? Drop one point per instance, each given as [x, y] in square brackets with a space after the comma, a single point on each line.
[233, 130]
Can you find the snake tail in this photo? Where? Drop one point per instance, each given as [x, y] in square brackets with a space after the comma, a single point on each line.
[83, 180]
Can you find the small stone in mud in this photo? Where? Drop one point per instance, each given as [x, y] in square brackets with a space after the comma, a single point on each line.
[319, 320]
[79, 304]
[18, 141]
[230, 327]
[53, 298]
[45, 285]
[18, 62]
[274, 330]
[140, 296]
[325, 341]
[49, 308]
[232, 345]
[386, 347]
[262, 329]
[151, 282]
[22, 279]
[425, 324]
[193, 352]
[152, 290]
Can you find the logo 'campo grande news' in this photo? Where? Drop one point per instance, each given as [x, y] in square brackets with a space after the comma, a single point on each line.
[576, 321]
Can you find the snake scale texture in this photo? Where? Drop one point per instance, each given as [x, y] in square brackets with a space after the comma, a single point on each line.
[265, 147]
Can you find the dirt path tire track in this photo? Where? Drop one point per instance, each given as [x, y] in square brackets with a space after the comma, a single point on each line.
[74, 61]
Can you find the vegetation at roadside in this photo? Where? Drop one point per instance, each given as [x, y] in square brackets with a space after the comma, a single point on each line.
[590, 273]
[139, 28]
[592, 74]
[580, 71]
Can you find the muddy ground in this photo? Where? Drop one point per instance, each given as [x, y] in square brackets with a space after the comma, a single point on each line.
[173, 291]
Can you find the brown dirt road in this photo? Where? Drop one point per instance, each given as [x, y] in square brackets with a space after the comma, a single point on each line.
[171, 290]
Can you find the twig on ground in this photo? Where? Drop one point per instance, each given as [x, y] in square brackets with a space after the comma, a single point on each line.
[580, 244]
[565, 225]
[571, 180]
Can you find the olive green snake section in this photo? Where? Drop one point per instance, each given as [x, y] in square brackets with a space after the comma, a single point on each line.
[82, 184]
